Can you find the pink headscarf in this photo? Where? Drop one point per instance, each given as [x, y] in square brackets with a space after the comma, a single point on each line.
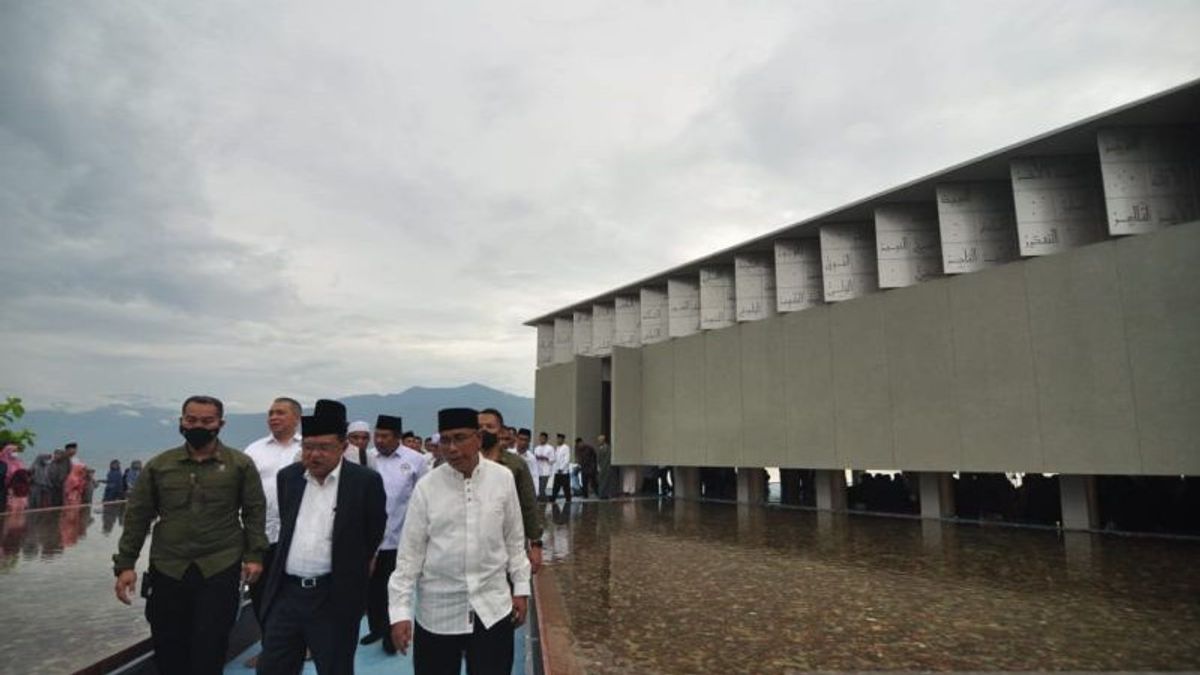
[9, 456]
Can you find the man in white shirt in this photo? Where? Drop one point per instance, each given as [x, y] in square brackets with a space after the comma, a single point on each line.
[526, 454]
[562, 469]
[270, 454]
[400, 468]
[544, 454]
[358, 437]
[462, 544]
[332, 517]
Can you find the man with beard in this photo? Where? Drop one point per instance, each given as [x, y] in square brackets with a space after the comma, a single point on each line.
[209, 537]
[490, 423]
[400, 468]
[358, 437]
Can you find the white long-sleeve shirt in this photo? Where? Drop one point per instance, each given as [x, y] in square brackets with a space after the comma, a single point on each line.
[311, 552]
[462, 542]
[544, 454]
[400, 472]
[562, 459]
[269, 457]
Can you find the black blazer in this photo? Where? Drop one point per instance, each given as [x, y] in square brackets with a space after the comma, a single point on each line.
[358, 523]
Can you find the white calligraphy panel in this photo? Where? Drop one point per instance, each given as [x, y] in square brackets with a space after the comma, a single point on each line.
[754, 285]
[978, 225]
[1059, 203]
[545, 344]
[683, 307]
[564, 340]
[627, 330]
[798, 283]
[907, 244]
[583, 333]
[1150, 177]
[603, 329]
[848, 261]
[655, 310]
[718, 303]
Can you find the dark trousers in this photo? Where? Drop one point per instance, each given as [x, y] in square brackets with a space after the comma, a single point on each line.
[543, 486]
[561, 480]
[377, 594]
[304, 618]
[190, 619]
[256, 589]
[589, 477]
[488, 650]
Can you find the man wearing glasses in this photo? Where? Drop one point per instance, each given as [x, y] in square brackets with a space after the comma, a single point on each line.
[209, 536]
[463, 543]
[332, 516]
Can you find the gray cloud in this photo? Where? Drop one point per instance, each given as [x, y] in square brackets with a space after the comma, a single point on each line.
[302, 198]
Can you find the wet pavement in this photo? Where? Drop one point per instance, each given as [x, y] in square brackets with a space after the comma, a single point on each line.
[685, 587]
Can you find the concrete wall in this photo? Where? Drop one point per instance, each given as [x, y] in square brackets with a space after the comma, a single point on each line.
[568, 399]
[1085, 362]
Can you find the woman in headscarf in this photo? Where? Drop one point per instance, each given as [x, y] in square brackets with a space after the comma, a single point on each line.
[74, 485]
[114, 482]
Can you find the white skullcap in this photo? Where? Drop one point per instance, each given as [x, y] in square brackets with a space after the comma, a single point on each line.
[436, 437]
[358, 425]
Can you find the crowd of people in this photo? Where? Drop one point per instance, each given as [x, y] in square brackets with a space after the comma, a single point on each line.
[433, 539]
[57, 479]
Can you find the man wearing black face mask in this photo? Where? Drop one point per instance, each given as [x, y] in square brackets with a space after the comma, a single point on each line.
[491, 422]
[210, 537]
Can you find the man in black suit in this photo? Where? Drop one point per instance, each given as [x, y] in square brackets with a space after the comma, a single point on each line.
[332, 517]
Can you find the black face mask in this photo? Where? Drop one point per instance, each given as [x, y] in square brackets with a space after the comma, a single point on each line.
[489, 439]
[198, 437]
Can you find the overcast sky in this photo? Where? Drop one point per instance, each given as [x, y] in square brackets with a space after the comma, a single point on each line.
[314, 199]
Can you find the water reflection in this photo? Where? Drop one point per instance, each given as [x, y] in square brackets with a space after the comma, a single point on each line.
[58, 609]
[653, 586]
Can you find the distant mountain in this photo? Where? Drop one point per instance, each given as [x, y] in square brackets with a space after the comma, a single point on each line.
[128, 432]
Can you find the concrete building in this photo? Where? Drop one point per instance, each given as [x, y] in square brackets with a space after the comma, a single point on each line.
[1036, 309]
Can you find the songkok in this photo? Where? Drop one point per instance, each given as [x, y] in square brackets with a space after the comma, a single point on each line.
[358, 425]
[329, 417]
[389, 423]
[458, 418]
[524, 432]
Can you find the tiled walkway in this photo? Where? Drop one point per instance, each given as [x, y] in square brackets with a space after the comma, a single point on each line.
[372, 661]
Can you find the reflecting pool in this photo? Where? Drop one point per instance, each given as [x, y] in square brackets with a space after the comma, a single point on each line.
[687, 587]
[57, 606]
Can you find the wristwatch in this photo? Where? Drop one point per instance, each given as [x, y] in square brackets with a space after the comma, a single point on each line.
[536, 543]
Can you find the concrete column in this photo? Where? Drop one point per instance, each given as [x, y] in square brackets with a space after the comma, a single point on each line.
[1148, 177]
[687, 482]
[582, 333]
[683, 307]
[630, 479]
[936, 494]
[848, 261]
[718, 300]
[1080, 509]
[977, 224]
[1073, 185]
[751, 485]
[831, 489]
[789, 486]
[798, 281]
[907, 244]
[754, 285]
[654, 309]
[564, 341]
[627, 321]
[603, 329]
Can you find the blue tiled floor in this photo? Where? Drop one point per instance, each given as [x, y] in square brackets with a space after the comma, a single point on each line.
[371, 660]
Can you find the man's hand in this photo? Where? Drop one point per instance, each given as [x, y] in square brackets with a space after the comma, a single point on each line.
[402, 635]
[250, 572]
[535, 559]
[126, 584]
[520, 607]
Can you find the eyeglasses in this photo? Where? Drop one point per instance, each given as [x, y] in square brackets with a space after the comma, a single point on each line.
[450, 440]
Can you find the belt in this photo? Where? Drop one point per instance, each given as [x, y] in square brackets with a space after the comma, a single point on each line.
[308, 582]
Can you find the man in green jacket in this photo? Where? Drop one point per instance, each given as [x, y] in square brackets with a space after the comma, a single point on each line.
[209, 538]
[490, 424]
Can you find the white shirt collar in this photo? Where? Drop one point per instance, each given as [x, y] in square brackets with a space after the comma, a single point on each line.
[271, 440]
